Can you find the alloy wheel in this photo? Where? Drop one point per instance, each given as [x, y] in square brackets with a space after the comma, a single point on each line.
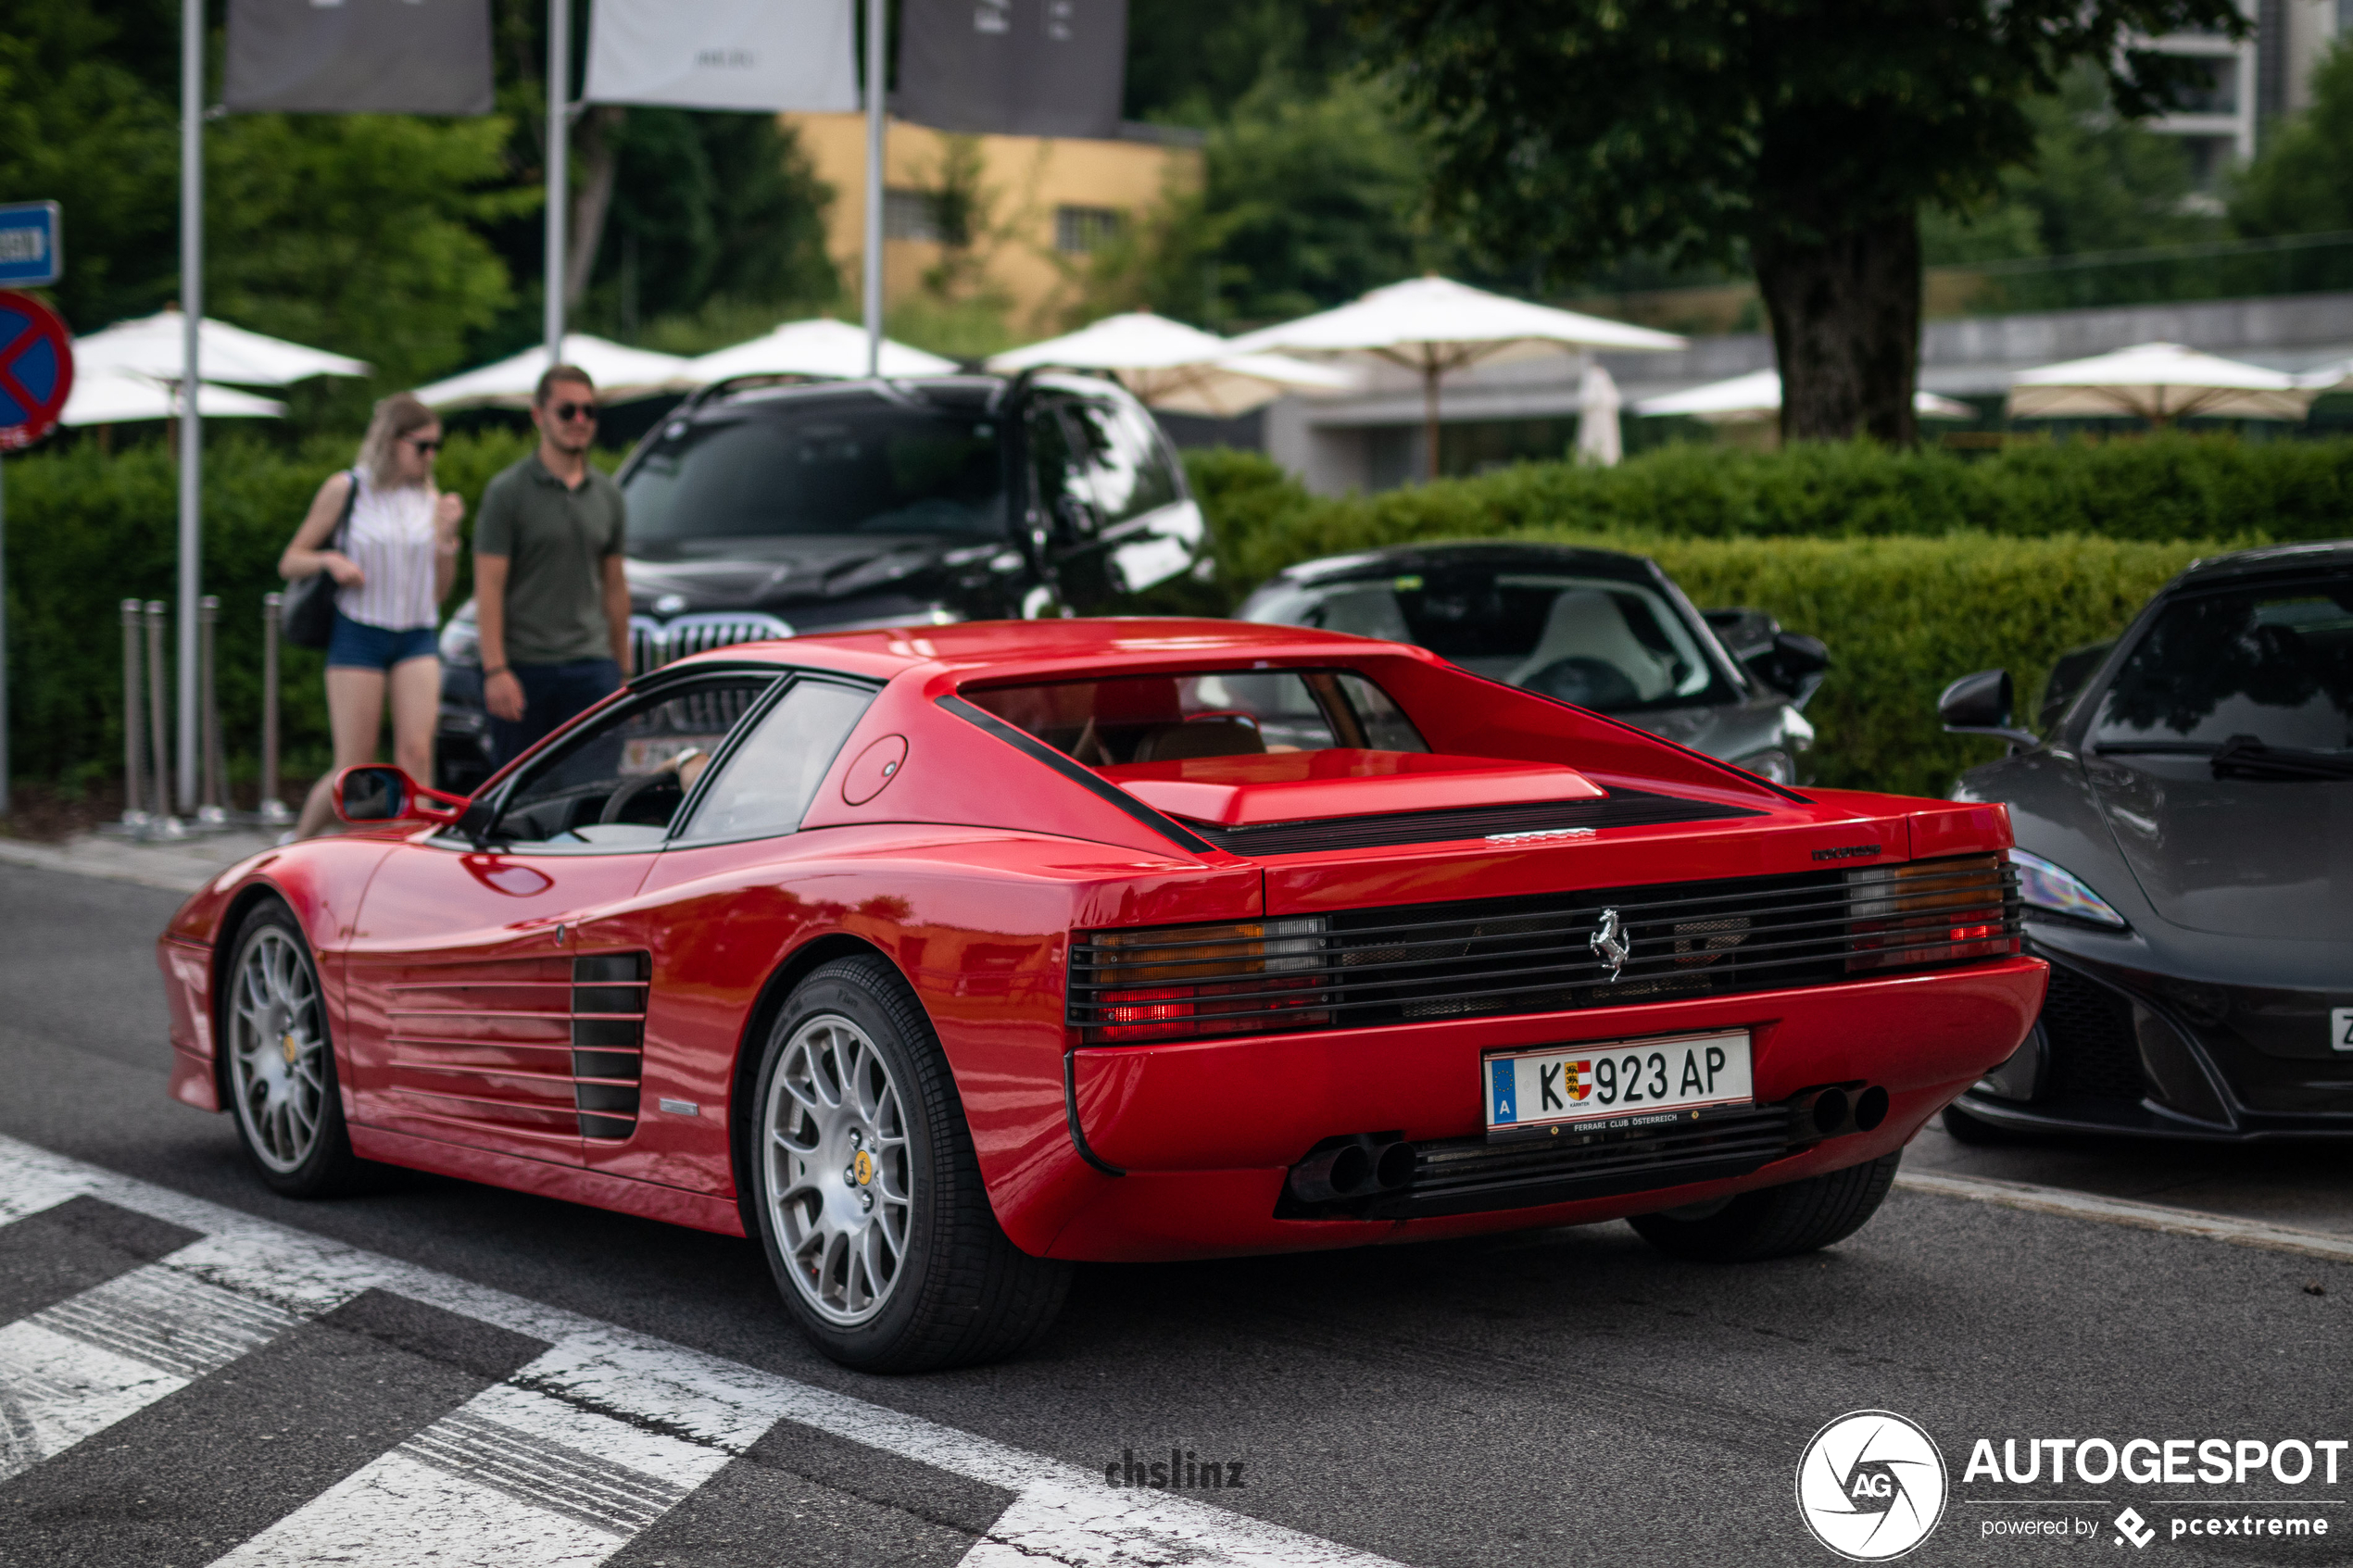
[840, 1172]
[277, 1051]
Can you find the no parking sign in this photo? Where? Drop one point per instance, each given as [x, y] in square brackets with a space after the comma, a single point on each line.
[36, 369]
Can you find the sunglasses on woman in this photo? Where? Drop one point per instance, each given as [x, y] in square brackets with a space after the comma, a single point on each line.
[426, 448]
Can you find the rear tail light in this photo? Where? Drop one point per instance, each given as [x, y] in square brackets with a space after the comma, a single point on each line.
[1174, 982]
[1931, 911]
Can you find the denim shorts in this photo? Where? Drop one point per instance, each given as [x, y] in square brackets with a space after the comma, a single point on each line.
[354, 645]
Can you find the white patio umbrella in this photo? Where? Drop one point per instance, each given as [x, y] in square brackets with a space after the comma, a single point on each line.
[1172, 366]
[2329, 378]
[621, 373]
[818, 347]
[154, 345]
[108, 397]
[1758, 395]
[1598, 438]
[2160, 383]
[1433, 326]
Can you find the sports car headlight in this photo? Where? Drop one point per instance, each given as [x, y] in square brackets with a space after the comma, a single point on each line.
[1174, 982]
[2059, 891]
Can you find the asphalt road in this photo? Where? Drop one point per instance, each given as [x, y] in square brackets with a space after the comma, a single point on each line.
[1558, 1397]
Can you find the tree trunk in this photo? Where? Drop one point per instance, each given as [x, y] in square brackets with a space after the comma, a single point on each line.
[592, 140]
[1846, 330]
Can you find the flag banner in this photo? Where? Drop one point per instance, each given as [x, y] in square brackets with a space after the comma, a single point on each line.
[359, 56]
[757, 55]
[1022, 67]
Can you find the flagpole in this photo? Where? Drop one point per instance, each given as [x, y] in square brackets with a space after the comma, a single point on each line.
[559, 168]
[191, 420]
[876, 77]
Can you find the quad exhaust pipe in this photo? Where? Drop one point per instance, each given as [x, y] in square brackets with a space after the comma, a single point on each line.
[1341, 1169]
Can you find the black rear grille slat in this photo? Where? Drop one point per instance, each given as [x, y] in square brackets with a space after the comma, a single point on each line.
[1533, 953]
[1471, 1175]
[1619, 809]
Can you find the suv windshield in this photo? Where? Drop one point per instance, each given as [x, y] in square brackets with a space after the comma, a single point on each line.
[1602, 642]
[862, 466]
[2275, 663]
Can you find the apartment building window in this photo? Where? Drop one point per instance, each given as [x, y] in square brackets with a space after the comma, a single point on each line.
[1079, 231]
[910, 215]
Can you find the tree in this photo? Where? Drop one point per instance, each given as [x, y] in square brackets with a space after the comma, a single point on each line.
[2302, 181]
[1805, 133]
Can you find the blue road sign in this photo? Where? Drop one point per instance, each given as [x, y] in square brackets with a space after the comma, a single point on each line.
[31, 240]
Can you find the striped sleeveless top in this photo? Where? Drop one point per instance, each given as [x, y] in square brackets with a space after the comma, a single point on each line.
[390, 539]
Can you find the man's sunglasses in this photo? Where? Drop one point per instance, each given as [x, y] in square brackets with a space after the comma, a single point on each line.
[571, 411]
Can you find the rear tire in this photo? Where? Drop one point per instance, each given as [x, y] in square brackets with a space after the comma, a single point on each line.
[278, 1061]
[1802, 1216]
[867, 1192]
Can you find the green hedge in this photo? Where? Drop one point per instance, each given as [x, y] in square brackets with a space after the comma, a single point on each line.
[1903, 615]
[87, 529]
[1914, 566]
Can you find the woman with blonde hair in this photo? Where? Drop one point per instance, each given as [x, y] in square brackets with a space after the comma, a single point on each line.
[389, 539]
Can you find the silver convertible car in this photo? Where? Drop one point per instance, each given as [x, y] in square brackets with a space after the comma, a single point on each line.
[2186, 855]
[1596, 628]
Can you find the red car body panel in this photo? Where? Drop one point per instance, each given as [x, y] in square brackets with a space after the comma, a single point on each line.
[967, 861]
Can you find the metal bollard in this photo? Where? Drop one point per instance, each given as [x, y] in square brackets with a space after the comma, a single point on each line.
[272, 811]
[212, 810]
[134, 753]
[162, 824]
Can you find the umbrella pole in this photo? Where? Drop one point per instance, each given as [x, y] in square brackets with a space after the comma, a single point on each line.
[1429, 414]
[876, 76]
[558, 171]
[192, 63]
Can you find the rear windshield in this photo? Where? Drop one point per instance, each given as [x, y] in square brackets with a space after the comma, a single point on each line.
[1169, 717]
[833, 468]
[1602, 642]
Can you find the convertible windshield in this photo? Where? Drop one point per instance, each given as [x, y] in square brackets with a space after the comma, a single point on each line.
[2275, 664]
[1171, 717]
[862, 468]
[1602, 643]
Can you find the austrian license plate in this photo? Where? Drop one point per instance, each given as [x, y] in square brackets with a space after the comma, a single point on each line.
[1617, 1082]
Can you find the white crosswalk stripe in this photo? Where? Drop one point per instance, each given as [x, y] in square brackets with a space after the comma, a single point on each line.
[562, 1462]
[94, 1358]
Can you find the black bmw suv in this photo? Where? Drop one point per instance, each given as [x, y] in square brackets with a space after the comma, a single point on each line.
[760, 509]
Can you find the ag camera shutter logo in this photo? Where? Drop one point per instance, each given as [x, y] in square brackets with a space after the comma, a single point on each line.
[1871, 1485]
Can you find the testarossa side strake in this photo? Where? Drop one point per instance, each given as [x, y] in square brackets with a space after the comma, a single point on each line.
[935, 959]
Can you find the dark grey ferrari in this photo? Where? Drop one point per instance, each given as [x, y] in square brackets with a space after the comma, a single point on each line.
[2186, 855]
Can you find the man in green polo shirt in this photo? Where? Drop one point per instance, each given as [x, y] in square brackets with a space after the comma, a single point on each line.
[549, 593]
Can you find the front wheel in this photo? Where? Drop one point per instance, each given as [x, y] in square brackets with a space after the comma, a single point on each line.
[279, 1063]
[1800, 1216]
[868, 1194]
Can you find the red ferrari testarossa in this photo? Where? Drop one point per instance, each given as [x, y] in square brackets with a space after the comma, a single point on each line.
[934, 959]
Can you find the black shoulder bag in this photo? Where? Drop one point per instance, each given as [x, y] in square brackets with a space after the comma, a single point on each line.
[308, 612]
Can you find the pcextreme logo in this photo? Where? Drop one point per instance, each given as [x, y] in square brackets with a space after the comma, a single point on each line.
[1871, 1485]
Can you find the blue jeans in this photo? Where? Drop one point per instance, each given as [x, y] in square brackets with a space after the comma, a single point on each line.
[552, 695]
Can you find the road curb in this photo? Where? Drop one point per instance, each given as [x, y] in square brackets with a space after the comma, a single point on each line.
[2126, 1211]
[49, 858]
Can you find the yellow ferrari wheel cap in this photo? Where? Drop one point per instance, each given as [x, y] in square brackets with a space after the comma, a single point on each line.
[865, 1167]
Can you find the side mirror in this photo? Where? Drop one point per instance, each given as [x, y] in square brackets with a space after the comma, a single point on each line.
[1797, 664]
[376, 794]
[1981, 705]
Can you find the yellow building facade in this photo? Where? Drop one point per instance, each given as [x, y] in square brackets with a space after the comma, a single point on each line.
[1038, 206]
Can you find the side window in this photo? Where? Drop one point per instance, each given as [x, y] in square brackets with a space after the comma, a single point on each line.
[1126, 462]
[766, 784]
[617, 781]
[1060, 476]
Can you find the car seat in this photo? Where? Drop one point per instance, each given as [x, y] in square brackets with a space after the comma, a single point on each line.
[1218, 735]
[1586, 625]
